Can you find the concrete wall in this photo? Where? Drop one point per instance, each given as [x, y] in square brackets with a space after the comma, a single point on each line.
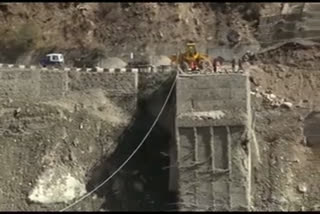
[41, 84]
[18, 83]
[222, 96]
[213, 160]
[38, 84]
[112, 83]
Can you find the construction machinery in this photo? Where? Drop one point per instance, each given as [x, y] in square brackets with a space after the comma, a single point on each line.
[192, 60]
[139, 61]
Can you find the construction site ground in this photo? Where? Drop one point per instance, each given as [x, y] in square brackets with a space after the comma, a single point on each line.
[90, 135]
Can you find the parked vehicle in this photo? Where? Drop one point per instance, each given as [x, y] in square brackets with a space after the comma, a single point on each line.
[52, 59]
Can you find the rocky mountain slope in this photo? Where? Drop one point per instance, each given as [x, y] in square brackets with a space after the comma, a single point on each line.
[28, 30]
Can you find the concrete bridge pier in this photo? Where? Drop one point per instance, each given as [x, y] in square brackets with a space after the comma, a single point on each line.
[212, 152]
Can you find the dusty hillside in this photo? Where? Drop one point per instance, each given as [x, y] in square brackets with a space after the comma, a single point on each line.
[54, 140]
[287, 176]
[115, 29]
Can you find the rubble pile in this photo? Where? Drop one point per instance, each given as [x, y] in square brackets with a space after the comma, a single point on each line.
[271, 99]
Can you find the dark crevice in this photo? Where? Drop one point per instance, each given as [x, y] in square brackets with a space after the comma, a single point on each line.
[142, 185]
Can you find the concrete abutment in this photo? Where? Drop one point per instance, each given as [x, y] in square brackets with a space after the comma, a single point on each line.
[212, 151]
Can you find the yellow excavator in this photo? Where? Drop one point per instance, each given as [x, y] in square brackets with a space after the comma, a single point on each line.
[191, 60]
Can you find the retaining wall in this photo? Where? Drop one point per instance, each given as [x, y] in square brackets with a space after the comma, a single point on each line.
[42, 84]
